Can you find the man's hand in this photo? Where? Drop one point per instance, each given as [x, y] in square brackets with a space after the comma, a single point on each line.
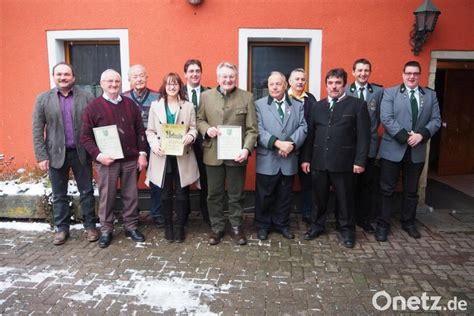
[306, 167]
[414, 139]
[282, 154]
[141, 163]
[43, 165]
[242, 156]
[212, 132]
[105, 159]
[284, 146]
[358, 169]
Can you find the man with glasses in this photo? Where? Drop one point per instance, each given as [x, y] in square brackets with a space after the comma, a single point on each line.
[193, 90]
[410, 116]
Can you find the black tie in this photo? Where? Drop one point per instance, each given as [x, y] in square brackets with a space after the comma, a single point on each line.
[194, 98]
[332, 104]
[414, 108]
[361, 95]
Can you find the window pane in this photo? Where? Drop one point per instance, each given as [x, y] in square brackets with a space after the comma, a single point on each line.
[266, 59]
[90, 60]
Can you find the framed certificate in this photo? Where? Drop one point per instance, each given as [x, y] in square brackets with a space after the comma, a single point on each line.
[108, 141]
[172, 139]
[229, 142]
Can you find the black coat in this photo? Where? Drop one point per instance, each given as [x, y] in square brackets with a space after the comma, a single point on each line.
[340, 138]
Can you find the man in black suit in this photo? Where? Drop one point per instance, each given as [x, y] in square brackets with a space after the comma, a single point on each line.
[297, 82]
[336, 148]
[192, 90]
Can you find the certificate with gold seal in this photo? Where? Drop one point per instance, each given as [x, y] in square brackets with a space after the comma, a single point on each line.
[229, 142]
[172, 139]
[108, 140]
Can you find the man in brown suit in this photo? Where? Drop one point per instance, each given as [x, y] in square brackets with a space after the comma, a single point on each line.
[226, 105]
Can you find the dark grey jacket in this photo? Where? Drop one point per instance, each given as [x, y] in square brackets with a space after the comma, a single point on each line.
[48, 129]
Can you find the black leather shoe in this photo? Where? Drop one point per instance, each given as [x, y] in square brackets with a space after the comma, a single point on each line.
[179, 233]
[313, 232]
[238, 235]
[412, 231]
[285, 232]
[369, 229]
[159, 222]
[348, 239]
[262, 234]
[169, 235]
[381, 233]
[135, 235]
[307, 220]
[215, 238]
[105, 239]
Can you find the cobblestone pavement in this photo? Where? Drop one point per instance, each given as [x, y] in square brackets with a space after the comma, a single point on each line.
[275, 277]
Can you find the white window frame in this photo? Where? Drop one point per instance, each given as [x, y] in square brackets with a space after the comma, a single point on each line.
[56, 51]
[311, 36]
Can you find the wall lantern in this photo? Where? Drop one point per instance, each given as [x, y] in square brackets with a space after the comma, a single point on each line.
[426, 17]
[195, 2]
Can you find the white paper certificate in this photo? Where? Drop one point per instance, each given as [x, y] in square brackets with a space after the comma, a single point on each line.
[108, 141]
[229, 142]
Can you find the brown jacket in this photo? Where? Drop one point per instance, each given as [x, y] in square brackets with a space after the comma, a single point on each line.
[236, 108]
[187, 165]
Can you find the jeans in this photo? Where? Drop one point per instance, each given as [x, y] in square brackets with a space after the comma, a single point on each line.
[59, 184]
[155, 200]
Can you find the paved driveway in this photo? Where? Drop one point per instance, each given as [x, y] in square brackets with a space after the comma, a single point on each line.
[263, 278]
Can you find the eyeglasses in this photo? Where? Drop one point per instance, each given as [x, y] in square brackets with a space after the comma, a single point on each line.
[414, 74]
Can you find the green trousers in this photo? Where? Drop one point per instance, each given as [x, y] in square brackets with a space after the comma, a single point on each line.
[217, 177]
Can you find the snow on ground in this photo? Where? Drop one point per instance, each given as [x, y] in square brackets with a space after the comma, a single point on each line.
[15, 187]
[161, 293]
[40, 187]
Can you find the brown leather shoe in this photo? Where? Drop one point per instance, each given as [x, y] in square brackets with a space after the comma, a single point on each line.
[238, 235]
[60, 237]
[215, 238]
[92, 234]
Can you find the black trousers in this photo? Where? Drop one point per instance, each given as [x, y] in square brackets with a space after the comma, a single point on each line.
[172, 186]
[366, 192]
[343, 185]
[273, 200]
[306, 192]
[59, 184]
[197, 147]
[389, 175]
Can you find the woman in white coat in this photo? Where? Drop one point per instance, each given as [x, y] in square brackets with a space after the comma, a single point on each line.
[172, 174]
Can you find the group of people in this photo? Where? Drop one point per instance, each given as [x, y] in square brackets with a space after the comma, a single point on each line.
[333, 142]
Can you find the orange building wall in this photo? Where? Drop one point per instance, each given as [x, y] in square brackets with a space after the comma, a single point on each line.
[164, 33]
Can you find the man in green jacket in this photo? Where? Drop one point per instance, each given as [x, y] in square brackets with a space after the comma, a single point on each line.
[226, 105]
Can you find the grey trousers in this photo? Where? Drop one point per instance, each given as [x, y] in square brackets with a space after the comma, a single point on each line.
[108, 180]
